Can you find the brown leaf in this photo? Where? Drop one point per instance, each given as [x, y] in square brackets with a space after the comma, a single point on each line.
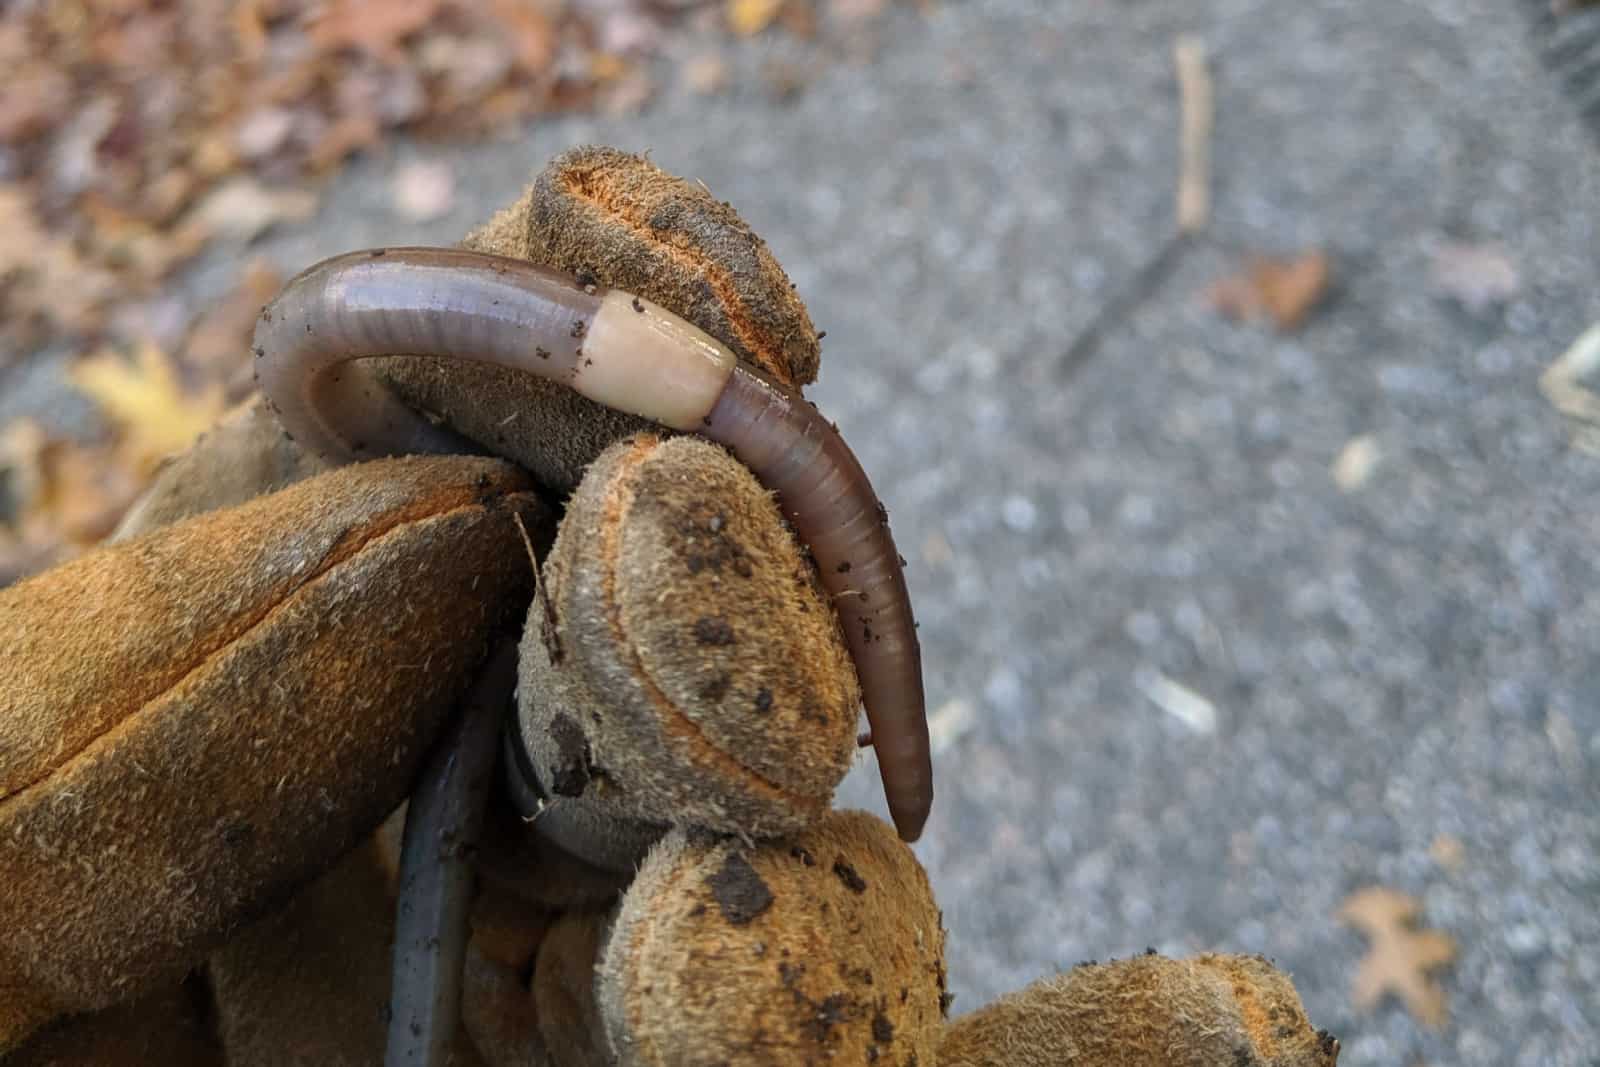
[137, 131]
[1284, 290]
[44, 276]
[61, 497]
[799, 17]
[89, 491]
[1401, 959]
[343, 138]
[249, 29]
[374, 26]
[36, 98]
[529, 31]
[142, 251]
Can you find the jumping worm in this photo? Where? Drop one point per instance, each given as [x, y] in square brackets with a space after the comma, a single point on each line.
[628, 354]
[443, 821]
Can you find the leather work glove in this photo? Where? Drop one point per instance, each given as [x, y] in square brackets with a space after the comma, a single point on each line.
[209, 728]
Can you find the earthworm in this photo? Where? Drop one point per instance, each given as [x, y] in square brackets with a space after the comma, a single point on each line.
[628, 354]
[443, 821]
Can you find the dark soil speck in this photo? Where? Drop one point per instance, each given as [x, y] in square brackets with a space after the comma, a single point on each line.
[847, 874]
[740, 893]
[713, 630]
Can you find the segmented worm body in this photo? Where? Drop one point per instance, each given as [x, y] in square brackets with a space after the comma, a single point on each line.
[443, 822]
[628, 354]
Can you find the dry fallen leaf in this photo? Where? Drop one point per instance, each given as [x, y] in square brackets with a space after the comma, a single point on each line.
[799, 18]
[89, 490]
[144, 399]
[746, 18]
[60, 497]
[139, 131]
[1478, 277]
[1401, 958]
[43, 277]
[1284, 290]
[375, 26]
[1292, 288]
[529, 31]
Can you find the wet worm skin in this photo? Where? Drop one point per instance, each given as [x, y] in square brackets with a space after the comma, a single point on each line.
[443, 821]
[628, 354]
[829, 502]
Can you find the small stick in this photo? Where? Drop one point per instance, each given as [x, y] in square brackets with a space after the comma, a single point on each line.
[1195, 116]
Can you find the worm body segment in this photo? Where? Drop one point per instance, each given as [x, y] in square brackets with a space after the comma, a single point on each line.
[443, 823]
[628, 354]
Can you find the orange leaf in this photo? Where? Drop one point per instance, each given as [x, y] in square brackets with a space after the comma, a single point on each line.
[374, 26]
[1401, 958]
[1284, 290]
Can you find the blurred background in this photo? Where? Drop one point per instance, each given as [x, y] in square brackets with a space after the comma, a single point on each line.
[1253, 541]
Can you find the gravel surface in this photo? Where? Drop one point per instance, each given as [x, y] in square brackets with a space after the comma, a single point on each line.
[1097, 530]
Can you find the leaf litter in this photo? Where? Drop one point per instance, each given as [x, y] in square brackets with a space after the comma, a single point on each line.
[136, 134]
